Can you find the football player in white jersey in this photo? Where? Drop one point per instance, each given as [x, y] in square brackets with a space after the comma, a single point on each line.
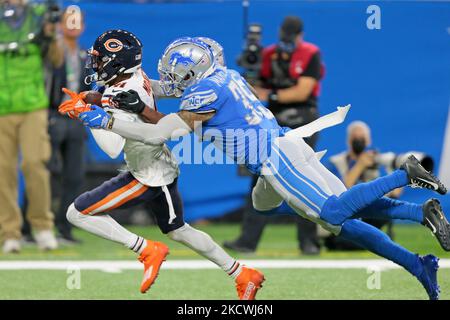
[152, 174]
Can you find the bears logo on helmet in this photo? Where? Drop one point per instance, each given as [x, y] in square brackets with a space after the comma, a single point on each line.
[113, 45]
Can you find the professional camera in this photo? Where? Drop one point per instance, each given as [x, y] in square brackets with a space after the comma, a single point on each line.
[251, 57]
[392, 161]
[281, 78]
[290, 29]
[53, 12]
[14, 13]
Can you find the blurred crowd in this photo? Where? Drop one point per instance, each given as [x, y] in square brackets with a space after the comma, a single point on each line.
[39, 55]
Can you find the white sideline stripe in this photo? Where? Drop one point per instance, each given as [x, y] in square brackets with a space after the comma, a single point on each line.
[118, 265]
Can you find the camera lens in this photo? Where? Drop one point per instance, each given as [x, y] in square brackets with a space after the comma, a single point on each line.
[252, 58]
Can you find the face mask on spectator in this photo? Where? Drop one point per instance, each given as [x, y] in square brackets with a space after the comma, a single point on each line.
[358, 146]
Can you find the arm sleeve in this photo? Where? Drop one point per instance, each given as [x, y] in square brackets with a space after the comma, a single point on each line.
[110, 142]
[201, 98]
[313, 69]
[169, 127]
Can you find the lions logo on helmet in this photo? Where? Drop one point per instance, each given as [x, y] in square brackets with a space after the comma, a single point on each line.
[178, 57]
[185, 62]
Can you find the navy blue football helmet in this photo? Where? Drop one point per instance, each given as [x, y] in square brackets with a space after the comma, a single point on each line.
[115, 52]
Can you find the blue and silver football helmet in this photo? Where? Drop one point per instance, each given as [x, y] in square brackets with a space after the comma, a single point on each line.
[185, 62]
[216, 48]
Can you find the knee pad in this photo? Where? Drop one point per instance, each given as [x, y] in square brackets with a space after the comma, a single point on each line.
[176, 235]
[260, 204]
[72, 214]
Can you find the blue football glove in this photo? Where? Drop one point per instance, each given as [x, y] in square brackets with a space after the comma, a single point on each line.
[96, 118]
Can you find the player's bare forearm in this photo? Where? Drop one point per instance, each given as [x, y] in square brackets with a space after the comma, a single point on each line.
[298, 93]
[151, 115]
[194, 119]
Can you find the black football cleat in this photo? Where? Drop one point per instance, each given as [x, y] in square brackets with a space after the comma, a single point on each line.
[435, 220]
[420, 178]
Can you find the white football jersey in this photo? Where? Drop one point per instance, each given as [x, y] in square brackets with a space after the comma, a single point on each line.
[150, 165]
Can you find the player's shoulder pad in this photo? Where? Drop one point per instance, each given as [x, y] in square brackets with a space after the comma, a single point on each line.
[200, 95]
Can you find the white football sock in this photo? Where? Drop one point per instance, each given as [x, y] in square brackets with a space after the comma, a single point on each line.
[203, 244]
[106, 227]
[235, 270]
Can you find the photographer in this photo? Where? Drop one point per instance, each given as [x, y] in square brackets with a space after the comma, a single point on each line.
[357, 164]
[289, 81]
[27, 42]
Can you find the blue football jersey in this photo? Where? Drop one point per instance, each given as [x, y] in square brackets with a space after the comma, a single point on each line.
[241, 127]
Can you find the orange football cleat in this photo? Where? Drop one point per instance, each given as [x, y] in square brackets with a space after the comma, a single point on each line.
[248, 282]
[152, 257]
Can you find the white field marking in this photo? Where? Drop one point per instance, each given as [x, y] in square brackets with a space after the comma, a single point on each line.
[117, 266]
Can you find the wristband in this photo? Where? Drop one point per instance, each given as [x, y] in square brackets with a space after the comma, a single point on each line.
[110, 123]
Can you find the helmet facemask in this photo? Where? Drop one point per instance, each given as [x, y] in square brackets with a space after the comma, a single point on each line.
[104, 67]
[173, 83]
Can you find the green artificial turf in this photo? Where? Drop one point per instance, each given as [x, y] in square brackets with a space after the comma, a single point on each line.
[279, 242]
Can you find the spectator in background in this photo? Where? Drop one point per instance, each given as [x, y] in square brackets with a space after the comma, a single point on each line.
[67, 136]
[290, 75]
[27, 41]
[355, 165]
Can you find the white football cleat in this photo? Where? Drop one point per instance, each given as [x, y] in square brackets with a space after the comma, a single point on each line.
[46, 240]
[11, 246]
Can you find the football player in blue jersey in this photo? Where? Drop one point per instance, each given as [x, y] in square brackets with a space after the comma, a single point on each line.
[218, 104]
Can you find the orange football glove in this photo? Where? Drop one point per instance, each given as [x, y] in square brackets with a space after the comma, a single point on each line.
[75, 105]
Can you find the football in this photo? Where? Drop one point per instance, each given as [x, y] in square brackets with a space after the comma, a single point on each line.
[94, 98]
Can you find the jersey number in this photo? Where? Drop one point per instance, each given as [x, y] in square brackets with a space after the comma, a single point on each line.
[242, 93]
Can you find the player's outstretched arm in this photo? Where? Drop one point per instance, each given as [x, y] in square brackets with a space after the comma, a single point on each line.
[193, 120]
[151, 115]
[172, 126]
[131, 102]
